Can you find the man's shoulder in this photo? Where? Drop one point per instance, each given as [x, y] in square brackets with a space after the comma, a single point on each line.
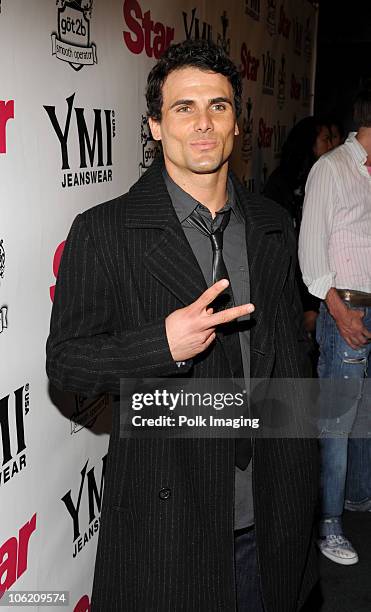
[332, 166]
[105, 210]
[149, 184]
[336, 157]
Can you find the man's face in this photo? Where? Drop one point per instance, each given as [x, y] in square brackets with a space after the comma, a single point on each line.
[198, 122]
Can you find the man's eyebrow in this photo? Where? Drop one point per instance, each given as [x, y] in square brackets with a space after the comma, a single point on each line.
[182, 102]
[186, 102]
[220, 99]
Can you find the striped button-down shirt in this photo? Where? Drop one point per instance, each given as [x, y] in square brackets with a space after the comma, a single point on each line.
[335, 234]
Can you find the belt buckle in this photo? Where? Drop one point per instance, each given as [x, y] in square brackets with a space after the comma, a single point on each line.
[348, 296]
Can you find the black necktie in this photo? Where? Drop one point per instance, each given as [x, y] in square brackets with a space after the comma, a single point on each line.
[225, 300]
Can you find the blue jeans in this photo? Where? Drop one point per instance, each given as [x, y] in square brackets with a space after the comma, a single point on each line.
[358, 489]
[345, 410]
[248, 591]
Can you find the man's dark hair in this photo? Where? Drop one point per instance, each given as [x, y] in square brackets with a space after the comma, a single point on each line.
[201, 54]
[362, 109]
[297, 155]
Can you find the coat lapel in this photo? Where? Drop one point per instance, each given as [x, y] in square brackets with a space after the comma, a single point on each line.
[269, 263]
[170, 259]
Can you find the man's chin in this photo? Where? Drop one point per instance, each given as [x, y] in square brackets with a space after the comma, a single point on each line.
[206, 167]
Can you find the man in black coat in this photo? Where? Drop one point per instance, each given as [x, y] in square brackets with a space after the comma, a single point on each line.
[190, 524]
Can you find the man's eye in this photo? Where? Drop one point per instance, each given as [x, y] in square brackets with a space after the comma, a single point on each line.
[183, 109]
[219, 107]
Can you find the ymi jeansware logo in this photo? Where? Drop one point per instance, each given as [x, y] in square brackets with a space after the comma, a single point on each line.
[84, 508]
[249, 183]
[308, 40]
[297, 35]
[279, 137]
[72, 41]
[13, 408]
[269, 73]
[252, 8]
[271, 17]
[91, 146]
[196, 29]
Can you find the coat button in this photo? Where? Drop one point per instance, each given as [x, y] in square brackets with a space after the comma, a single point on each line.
[164, 493]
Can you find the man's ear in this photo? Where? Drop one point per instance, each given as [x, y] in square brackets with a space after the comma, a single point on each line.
[155, 128]
[236, 130]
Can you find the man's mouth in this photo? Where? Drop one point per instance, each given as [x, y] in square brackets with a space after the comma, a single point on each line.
[203, 145]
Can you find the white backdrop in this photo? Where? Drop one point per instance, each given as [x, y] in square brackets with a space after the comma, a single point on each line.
[73, 134]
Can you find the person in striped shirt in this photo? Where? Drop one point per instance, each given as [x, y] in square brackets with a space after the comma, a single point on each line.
[335, 260]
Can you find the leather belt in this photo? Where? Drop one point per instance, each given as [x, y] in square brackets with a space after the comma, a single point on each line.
[355, 298]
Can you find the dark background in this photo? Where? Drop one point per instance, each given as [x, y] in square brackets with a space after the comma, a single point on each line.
[343, 56]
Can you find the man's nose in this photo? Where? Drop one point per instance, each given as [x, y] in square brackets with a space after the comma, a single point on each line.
[203, 122]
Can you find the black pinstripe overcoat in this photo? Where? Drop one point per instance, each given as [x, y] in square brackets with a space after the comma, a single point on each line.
[125, 267]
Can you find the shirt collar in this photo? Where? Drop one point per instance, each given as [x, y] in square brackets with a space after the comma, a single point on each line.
[184, 204]
[359, 153]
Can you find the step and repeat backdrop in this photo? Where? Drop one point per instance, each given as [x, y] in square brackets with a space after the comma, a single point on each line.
[74, 133]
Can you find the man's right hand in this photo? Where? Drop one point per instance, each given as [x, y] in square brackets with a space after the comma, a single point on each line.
[349, 322]
[351, 328]
[191, 330]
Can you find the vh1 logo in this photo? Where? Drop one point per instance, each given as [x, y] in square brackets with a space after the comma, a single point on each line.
[6, 113]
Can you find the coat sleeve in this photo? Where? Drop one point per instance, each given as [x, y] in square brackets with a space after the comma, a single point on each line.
[297, 304]
[85, 352]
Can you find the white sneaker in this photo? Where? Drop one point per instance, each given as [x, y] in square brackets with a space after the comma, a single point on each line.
[338, 549]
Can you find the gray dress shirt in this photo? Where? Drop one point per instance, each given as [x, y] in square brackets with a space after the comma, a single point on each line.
[235, 259]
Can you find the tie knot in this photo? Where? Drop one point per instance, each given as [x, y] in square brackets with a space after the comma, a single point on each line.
[225, 220]
[216, 235]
